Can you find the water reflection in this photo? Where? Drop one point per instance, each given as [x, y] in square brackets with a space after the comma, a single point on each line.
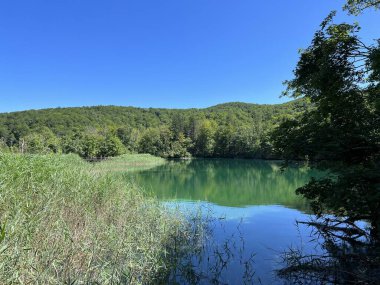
[348, 255]
[252, 211]
[226, 182]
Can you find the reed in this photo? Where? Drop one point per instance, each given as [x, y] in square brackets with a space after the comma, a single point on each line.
[64, 222]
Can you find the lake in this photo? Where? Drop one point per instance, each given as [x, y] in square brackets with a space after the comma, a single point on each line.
[251, 210]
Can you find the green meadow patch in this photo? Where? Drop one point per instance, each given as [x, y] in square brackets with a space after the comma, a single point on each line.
[128, 163]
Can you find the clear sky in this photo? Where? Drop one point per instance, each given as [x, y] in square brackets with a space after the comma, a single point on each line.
[157, 53]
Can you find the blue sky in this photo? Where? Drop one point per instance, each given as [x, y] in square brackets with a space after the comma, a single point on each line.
[172, 53]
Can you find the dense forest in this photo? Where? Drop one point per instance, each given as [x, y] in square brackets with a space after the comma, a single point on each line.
[225, 130]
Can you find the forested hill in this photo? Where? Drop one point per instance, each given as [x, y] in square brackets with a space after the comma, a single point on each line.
[230, 129]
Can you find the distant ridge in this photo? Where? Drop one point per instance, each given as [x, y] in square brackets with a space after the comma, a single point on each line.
[227, 104]
[104, 119]
[96, 116]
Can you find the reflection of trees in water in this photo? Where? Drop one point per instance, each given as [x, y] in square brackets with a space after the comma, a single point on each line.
[202, 259]
[228, 182]
[350, 255]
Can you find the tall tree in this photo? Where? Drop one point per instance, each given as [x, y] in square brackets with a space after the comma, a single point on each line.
[340, 76]
[205, 140]
[338, 73]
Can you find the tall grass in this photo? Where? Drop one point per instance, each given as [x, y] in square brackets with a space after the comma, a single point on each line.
[128, 163]
[65, 223]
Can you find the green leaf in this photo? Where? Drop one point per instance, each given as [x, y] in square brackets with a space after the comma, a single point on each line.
[2, 232]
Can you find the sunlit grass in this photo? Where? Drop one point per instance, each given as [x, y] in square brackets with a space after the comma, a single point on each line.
[67, 222]
[128, 163]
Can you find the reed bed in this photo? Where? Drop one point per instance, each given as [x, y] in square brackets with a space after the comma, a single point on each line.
[65, 222]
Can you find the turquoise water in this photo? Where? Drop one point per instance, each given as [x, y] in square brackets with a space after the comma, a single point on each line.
[251, 211]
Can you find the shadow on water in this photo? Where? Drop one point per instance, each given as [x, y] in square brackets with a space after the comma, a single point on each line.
[349, 255]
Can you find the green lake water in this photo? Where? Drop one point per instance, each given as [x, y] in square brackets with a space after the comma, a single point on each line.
[252, 208]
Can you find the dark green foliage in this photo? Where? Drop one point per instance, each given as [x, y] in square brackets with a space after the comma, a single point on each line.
[111, 146]
[156, 141]
[129, 137]
[2, 232]
[73, 144]
[226, 130]
[357, 6]
[343, 124]
[340, 76]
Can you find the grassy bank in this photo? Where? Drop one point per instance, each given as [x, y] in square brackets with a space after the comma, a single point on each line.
[67, 222]
[128, 163]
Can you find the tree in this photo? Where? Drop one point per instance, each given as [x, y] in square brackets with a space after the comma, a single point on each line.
[192, 127]
[91, 143]
[177, 125]
[43, 141]
[246, 142]
[224, 140]
[156, 141]
[73, 144]
[130, 138]
[180, 147]
[356, 7]
[205, 140]
[111, 146]
[338, 74]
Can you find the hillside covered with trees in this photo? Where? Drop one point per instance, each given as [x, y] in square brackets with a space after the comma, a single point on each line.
[225, 130]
